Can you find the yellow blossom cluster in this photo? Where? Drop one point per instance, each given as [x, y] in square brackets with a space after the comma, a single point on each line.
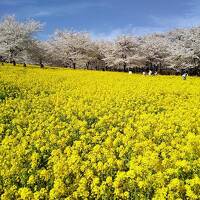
[75, 134]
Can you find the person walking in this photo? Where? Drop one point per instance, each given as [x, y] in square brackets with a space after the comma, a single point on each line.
[184, 76]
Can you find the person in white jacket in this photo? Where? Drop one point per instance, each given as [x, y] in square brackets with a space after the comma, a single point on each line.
[184, 76]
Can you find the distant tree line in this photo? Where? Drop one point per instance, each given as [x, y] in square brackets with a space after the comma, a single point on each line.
[167, 53]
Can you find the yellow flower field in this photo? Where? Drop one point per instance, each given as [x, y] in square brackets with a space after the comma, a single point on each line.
[75, 134]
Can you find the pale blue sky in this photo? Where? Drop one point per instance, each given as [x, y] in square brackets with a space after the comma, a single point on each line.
[106, 18]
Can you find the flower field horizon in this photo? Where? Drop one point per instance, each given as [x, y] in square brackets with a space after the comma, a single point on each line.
[79, 134]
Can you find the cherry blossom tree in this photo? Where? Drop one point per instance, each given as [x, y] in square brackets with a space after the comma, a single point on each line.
[37, 53]
[178, 48]
[121, 52]
[181, 53]
[70, 48]
[16, 37]
[155, 50]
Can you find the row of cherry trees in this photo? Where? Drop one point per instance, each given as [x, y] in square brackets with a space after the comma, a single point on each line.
[179, 48]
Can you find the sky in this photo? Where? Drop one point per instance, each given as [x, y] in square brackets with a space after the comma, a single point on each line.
[106, 19]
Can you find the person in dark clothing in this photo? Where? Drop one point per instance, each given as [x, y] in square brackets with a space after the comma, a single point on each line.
[14, 63]
[41, 65]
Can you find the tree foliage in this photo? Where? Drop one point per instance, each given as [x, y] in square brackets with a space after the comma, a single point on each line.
[17, 37]
[178, 48]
